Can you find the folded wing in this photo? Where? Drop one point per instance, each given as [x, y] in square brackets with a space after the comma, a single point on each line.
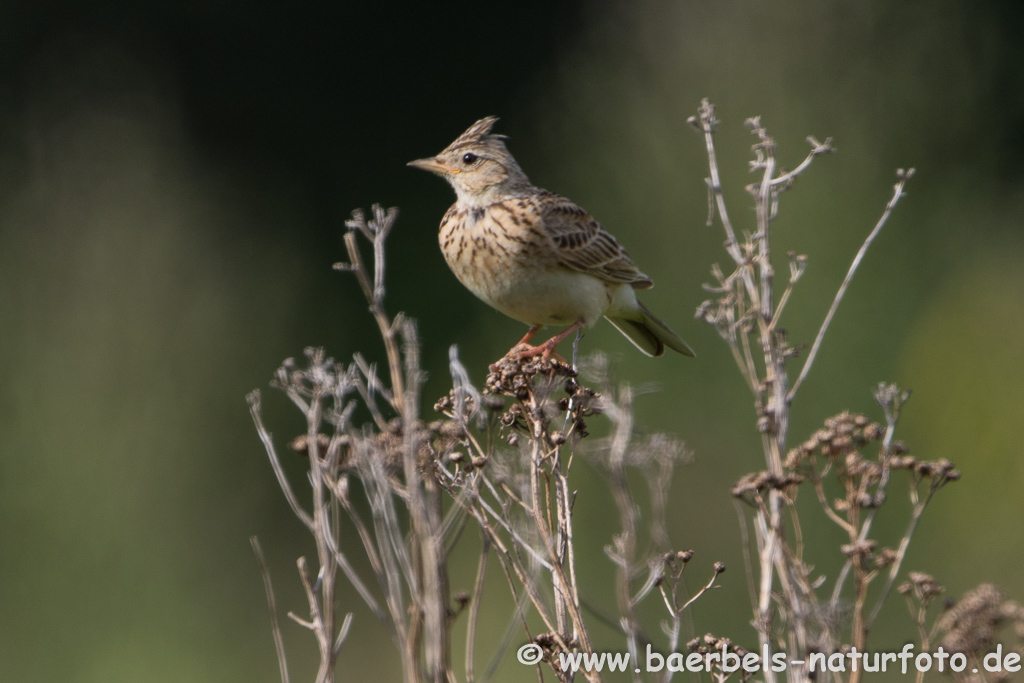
[583, 245]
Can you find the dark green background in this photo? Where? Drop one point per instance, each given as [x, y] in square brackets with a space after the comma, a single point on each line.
[174, 179]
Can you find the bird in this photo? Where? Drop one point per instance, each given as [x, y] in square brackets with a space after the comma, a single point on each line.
[533, 255]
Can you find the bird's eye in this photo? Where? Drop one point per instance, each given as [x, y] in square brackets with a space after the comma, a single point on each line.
[468, 158]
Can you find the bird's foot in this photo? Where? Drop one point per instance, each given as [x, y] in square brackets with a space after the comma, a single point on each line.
[523, 351]
[545, 351]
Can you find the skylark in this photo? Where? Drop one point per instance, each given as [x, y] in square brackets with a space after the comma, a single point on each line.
[533, 255]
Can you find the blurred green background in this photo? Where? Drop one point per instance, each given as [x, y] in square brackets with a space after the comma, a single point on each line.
[174, 177]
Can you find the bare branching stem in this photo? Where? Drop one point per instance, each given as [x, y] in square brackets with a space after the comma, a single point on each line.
[376, 230]
[747, 316]
[706, 122]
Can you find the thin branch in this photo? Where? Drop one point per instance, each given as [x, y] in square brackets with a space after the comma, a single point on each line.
[901, 553]
[316, 624]
[474, 608]
[797, 266]
[375, 297]
[903, 177]
[357, 583]
[275, 625]
[268, 444]
[706, 122]
[816, 149]
[704, 589]
[342, 633]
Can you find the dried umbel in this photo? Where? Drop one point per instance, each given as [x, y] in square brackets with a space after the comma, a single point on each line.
[843, 434]
[971, 625]
[535, 383]
[711, 644]
[837, 457]
[923, 586]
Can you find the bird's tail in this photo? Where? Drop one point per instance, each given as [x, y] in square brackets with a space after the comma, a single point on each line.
[649, 334]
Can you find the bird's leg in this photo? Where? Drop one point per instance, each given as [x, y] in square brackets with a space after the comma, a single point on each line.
[528, 336]
[525, 341]
[548, 347]
[515, 350]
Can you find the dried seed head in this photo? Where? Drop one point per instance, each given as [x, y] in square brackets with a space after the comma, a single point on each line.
[970, 626]
[924, 585]
[874, 432]
[885, 557]
[300, 444]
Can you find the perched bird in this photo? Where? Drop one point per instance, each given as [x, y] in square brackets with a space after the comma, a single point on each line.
[533, 255]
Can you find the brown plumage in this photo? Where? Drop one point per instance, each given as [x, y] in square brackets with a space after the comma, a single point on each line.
[533, 255]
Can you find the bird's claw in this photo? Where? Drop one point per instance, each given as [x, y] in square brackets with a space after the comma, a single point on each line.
[545, 351]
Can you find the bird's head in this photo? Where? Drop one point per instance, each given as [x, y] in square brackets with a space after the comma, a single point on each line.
[478, 166]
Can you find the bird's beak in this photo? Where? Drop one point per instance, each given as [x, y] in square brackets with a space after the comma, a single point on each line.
[433, 165]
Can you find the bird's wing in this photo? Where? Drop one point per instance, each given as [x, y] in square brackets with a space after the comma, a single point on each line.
[583, 245]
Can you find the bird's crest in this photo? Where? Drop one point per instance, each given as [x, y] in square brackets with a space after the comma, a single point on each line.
[478, 132]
